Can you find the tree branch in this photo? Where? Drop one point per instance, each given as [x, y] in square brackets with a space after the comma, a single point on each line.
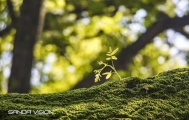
[13, 18]
[130, 51]
[11, 11]
[181, 31]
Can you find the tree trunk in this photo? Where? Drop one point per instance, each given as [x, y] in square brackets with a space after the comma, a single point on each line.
[28, 30]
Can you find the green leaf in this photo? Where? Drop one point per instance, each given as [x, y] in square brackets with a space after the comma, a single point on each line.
[108, 74]
[110, 50]
[108, 58]
[97, 79]
[100, 62]
[108, 54]
[114, 58]
[114, 52]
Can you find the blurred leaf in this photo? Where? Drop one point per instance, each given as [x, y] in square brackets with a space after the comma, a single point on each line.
[114, 58]
[110, 50]
[80, 33]
[114, 52]
[108, 74]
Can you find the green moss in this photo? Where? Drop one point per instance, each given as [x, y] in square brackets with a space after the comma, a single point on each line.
[165, 96]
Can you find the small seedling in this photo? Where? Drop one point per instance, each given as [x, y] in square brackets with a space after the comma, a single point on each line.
[110, 56]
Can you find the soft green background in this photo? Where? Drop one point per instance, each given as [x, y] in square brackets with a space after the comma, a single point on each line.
[71, 43]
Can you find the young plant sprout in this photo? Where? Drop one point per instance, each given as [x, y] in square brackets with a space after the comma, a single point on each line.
[110, 56]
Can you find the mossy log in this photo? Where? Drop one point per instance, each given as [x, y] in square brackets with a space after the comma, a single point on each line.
[165, 97]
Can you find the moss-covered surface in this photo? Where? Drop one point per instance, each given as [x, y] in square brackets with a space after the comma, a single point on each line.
[165, 97]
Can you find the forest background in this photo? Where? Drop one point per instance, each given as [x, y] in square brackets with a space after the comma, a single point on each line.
[49, 46]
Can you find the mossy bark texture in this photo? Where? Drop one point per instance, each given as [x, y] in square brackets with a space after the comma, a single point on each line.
[165, 97]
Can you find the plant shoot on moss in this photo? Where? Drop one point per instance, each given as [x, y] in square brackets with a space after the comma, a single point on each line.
[110, 56]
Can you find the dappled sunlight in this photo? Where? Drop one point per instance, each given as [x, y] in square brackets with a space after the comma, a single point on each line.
[78, 34]
[90, 47]
[55, 6]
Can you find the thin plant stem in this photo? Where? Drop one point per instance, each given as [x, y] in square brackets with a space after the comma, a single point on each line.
[115, 71]
[111, 57]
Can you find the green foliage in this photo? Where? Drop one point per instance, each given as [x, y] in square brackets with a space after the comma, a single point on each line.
[161, 97]
[77, 34]
[110, 56]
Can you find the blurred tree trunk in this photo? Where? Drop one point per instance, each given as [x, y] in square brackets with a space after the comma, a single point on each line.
[28, 29]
